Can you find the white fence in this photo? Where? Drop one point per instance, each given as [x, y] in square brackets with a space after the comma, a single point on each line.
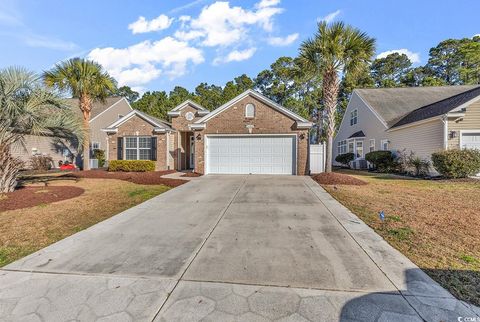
[317, 158]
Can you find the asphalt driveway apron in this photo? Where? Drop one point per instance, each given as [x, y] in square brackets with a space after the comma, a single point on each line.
[226, 248]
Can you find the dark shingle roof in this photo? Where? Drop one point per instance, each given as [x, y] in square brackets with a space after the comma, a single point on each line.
[358, 134]
[97, 108]
[393, 104]
[438, 108]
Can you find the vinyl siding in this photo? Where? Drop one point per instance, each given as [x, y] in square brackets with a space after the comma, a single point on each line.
[471, 121]
[423, 139]
[105, 119]
[368, 122]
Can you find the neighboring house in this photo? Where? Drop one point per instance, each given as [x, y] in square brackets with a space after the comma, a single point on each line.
[61, 149]
[419, 119]
[249, 134]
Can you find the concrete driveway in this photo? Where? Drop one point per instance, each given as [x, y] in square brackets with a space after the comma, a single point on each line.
[226, 248]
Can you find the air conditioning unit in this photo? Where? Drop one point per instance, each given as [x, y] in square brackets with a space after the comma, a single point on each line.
[359, 164]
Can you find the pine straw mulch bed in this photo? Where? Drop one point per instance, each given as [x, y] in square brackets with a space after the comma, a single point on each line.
[33, 196]
[191, 175]
[148, 178]
[333, 178]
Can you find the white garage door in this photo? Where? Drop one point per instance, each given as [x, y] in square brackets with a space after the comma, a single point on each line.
[471, 141]
[250, 154]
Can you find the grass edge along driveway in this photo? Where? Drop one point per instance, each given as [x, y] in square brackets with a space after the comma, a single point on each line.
[434, 223]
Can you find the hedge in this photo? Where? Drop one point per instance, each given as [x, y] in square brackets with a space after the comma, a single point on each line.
[457, 163]
[131, 165]
[345, 158]
[381, 160]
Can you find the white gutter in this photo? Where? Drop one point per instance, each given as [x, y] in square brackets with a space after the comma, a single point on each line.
[445, 131]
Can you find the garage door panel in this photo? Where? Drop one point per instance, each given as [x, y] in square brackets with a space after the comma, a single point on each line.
[250, 154]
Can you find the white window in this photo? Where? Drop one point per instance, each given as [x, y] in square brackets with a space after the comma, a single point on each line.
[351, 146]
[250, 110]
[95, 145]
[385, 145]
[372, 145]
[138, 148]
[353, 117]
[342, 147]
[359, 149]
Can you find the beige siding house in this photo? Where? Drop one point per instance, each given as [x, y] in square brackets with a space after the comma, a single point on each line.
[59, 149]
[419, 119]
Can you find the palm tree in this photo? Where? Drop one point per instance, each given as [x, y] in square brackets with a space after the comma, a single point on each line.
[28, 108]
[334, 51]
[86, 80]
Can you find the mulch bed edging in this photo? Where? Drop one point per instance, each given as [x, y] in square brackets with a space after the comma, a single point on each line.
[332, 178]
[148, 178]
[33, 196]
[191, 174]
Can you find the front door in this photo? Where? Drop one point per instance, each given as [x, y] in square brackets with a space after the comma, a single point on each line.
[192, 152]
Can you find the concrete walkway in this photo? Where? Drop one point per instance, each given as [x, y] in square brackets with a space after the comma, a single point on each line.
[226, 248]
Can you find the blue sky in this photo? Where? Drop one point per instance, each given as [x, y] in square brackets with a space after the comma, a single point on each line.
[155, 45]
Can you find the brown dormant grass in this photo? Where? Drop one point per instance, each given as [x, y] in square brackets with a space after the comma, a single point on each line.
[434, 223]
[24, 231]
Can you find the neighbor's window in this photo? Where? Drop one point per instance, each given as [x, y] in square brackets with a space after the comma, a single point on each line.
[249, 110]
[385, 145]
[95, 145]
[138, 148]
[359, 149]
[353, 117]
[350, 146]
[342, 147]
[372, 145]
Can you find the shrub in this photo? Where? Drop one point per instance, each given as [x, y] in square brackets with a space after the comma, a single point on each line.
[382, 160]
[457, 163]
[41, 162]
[131, 165]
[100, 156]
[345, 158]
[420, 166]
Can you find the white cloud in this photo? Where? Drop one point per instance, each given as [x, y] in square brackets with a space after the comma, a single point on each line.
[330, 17]
[414, 57]
[219, 24]
[34, 40]
[142, 25]
[188, 5]
[283, 41]
[140, 63]
[236, 55]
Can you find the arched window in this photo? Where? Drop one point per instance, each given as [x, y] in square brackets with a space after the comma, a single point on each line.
[249, 110]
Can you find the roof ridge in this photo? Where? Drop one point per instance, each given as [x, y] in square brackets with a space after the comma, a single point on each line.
[447, 98]
[416, 87]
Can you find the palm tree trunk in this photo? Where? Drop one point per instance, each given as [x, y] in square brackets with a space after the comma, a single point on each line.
[86, 108]
[331, 88]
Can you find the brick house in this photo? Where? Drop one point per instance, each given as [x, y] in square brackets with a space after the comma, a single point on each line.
[249, 134]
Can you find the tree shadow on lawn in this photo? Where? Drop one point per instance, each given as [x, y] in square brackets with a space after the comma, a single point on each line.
[421, 296]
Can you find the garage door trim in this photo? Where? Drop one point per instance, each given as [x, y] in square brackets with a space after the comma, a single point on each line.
[293, 135]
[462, 132]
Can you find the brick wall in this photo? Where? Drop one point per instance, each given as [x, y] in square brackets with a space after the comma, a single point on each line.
[136, 126]
[266, 121]
[180, 123]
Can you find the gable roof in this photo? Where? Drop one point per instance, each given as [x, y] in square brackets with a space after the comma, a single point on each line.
[358, 134]
[300, 120]
[176, 111]
[160, 125]
[393, 104]
[439, 108]
[97, 107]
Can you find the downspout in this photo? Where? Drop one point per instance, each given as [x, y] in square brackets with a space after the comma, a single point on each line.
[167, 150]
[445, 131]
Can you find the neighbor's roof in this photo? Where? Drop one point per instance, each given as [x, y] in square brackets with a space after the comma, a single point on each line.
[159, 123]
[440, 107]
[393, 104]
[98, 107]
[358, 134]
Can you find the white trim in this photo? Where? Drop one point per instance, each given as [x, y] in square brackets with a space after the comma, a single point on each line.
[259, 97]
[167, 151]
[370, 144]
[401, 127]
[122, 99]
[159, 130]
[381, 144]
[108, 130]
[195, 126]
[293, 135]
[370, 108]
[173, 113]
[466, 131]
[445, 131]
[119, 122]
[188, 102]
[356, 117]
[303, 125]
